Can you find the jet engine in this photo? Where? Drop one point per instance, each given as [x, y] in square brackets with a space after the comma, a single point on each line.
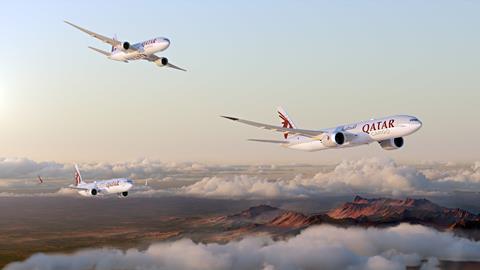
[124, 194]
[162, 61]
[126, 45]
[93, 192]
[334, 139]
[392, 144]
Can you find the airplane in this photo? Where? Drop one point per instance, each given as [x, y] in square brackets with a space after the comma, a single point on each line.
[124, 51]
[119, 186]
[387, 131]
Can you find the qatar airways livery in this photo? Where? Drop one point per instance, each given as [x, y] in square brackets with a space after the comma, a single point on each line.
[124, 51]
[387, 131]
[119, 186]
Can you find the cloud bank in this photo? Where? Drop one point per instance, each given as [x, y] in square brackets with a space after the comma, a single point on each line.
[371, 176]
[321, 247]
[375, 176]
[22, 168]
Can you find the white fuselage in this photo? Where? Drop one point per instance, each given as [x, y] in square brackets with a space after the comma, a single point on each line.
[374, 130]
[142, 49]
[104, 187]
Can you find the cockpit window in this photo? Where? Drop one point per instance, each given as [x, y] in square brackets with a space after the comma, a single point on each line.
[414, 120]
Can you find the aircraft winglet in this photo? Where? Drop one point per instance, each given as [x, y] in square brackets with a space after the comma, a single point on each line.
[231, 118]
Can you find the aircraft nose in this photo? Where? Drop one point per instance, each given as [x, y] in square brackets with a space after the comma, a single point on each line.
[167, 42]
[418, 124]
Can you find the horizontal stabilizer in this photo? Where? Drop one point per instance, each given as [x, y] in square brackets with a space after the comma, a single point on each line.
[100, 51]
[78, 188]
[267, 141]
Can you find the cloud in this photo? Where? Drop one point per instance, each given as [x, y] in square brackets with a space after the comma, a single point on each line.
[23, 168]
[244, 186]
[19, 168]
[374, 176]
[370, 175]
[321, 247]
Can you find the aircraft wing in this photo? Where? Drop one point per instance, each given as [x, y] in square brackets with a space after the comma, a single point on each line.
[153, 58]
[267, 141]
[105, 39]
[292, 131]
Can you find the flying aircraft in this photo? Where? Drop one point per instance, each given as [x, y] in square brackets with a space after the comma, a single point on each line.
[119, 186]
[124, 51]
[387, 131]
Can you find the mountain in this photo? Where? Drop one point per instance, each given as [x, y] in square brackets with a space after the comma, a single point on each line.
[361, 211]
[290, 219]
[254, 215]
[418, 211]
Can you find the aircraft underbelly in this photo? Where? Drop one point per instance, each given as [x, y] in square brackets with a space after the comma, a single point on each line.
[115, 189]
[85, 193]
[310, 146]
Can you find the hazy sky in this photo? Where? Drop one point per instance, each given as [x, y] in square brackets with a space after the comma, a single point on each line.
[326, 62]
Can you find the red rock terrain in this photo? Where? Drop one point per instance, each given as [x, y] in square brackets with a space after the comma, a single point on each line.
[361, 211]
[385, 210]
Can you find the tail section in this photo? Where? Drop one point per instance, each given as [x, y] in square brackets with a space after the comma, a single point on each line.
[78, 176]
[113, 47]
[286, 121]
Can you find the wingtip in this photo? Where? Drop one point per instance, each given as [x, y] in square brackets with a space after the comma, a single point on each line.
[229, 117]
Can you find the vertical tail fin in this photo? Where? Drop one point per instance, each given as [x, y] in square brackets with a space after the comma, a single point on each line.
[113, 47]
[286, 121]
[78, 176]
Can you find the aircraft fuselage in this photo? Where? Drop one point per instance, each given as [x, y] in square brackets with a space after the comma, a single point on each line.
[365, 132]
[142, 49]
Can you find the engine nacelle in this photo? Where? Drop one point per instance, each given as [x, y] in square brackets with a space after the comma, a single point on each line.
[126, 45]
[93, 192]
[392, 144]
[124, 194]
[334, 139]
[162, 61]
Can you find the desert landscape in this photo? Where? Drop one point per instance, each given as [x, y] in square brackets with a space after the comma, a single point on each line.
[60, 225]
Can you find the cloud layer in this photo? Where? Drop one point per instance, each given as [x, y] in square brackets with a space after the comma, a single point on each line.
[321, 247]
[373, 176]
[20, 168]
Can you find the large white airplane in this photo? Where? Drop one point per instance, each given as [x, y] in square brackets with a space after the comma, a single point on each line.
[387, 131]
[124, 51]
[119, 186]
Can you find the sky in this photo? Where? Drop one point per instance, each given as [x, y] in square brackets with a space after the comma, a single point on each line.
[326, 62]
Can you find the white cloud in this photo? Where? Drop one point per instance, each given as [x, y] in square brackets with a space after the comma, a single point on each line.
[321, 247]
[375, 176]
[243, 186]
[21, 168]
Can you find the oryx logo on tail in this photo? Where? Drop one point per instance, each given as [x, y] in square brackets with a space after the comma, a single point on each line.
[286, 122]
[113, 47]
[78, 176]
